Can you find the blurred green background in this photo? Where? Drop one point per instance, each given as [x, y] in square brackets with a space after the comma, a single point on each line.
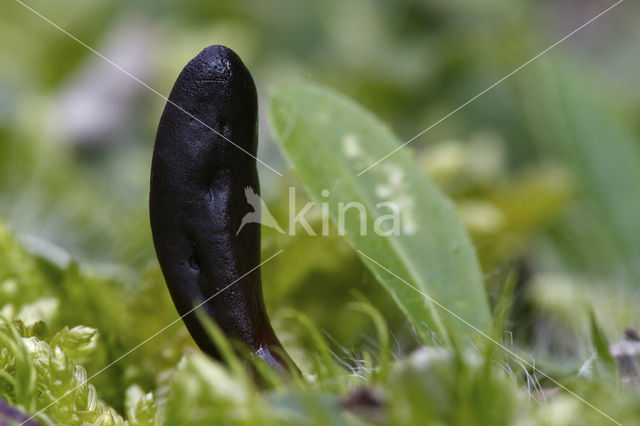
[545, 168]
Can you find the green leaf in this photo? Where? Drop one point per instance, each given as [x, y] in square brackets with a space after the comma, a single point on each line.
[328, 140]
[601, 344]
[577, 121]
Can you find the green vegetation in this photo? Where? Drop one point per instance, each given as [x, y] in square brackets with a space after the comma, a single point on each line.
[528, 201]
[329, 141]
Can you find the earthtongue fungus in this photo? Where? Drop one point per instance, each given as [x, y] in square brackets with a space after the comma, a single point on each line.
[203, 162]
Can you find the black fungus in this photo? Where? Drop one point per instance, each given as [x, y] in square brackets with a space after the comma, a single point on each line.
[197, 202]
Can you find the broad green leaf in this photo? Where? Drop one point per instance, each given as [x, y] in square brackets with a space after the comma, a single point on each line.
[328, 140]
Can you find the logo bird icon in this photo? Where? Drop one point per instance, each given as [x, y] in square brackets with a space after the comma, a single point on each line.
[259, 206]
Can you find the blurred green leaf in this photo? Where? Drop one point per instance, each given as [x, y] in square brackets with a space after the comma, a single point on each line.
[601, 345]
[573, 120]
[328, 139]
